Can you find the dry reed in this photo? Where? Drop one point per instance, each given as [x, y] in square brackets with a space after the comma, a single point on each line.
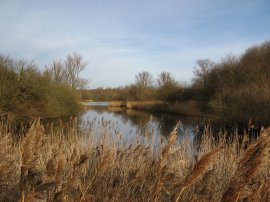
[63, 163]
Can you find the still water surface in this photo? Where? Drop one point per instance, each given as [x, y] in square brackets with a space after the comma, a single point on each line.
[131, 123]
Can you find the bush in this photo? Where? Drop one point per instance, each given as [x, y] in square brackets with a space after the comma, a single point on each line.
[62, 101]
[27, 94]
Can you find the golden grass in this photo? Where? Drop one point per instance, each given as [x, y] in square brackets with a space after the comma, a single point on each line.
[117, 104]
[187, 108]
[143, 105]
[63, 163]
[139, 105]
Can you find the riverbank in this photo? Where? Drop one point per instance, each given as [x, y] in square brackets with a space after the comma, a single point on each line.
[186, 108]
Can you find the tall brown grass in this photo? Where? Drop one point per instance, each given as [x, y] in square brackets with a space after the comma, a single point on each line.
[186, 108]
[139, 105]
[64, 162]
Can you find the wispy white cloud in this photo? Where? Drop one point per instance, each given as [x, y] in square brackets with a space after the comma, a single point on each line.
[123, 37]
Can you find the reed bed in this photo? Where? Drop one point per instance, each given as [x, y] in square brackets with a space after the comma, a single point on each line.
[187, 108]
[144, 105]
[65, 162]
[117, 104]
[138, 105]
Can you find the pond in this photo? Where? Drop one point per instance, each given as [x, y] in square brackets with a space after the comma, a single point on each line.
[131, 123]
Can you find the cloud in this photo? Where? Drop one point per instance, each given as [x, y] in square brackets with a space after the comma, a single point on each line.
[121, 38]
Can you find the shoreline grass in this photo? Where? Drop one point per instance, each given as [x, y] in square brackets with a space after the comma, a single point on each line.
[186, 108]
[65, 163]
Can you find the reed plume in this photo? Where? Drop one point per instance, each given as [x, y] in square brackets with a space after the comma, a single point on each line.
[199, 170]
[254, 161]
[62, 164]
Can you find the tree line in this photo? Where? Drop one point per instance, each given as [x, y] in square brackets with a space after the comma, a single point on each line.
[145, 88]
[235, 89]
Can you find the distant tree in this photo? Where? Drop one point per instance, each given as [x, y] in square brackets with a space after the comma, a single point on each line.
[201, 71]
[143, 87]
[68, 71]
[168, 88]
[74, 64]
[144, 79]
[166, 79]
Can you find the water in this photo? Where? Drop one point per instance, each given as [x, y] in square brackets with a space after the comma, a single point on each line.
[131, 123]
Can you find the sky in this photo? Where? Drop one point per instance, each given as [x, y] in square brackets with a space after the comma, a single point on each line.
[120, 38]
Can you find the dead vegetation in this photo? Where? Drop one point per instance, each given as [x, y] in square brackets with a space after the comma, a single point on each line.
[64, 163]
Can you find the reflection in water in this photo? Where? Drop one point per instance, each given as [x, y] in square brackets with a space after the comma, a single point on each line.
[130, 122]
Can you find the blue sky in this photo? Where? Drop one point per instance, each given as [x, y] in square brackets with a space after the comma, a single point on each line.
[120, 38]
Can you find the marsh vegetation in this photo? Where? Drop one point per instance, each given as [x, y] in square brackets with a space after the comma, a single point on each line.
[71, 161]
[63, 163]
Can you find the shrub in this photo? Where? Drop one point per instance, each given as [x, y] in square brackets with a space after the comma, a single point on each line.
[27, 94]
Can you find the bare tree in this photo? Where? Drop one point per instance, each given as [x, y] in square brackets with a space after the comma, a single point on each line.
[165, 78]
[68, 71]
[74, 64]
[57, 71]
[168, 87]
[201, 72]
[144, 79]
